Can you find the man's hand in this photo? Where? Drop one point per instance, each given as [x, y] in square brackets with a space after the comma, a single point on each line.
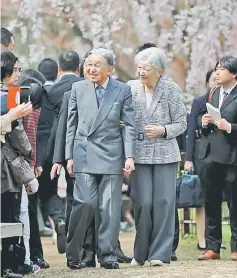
[153, 131]
[70, 167]
[20, 111]
[129, 166]
[206, 119]
[223, 125]
[38, 171]
[56, 168]
[188, 166]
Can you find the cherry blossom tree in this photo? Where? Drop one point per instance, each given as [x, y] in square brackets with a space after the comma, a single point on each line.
[193, 33]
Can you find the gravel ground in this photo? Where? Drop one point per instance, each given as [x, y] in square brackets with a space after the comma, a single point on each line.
[187, 269]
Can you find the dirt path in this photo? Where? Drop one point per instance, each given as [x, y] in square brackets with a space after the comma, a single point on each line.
[186, 267]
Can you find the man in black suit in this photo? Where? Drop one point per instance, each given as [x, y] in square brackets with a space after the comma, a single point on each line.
[69, 70]
[218, 154]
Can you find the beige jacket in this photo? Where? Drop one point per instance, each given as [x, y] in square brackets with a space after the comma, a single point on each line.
[5, 124]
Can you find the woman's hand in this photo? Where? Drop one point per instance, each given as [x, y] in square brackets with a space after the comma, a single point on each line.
[153, 131]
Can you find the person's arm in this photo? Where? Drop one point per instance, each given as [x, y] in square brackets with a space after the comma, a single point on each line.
[191, 131]
[178, 114]
[15, 113]
[60, 141]
[30, 124]
[5, 123]
[127, 116]
[72, 122]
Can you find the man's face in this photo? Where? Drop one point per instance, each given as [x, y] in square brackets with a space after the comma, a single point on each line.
[11, 45]
[15, 75]
[96, 69]
[223, 75]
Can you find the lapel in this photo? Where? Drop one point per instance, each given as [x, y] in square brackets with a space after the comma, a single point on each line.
[90, 102]
[110, 96]
[229, 99]
[159, 90]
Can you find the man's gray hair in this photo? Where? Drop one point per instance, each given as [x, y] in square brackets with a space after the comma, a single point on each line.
[154, 55]
[107, 54]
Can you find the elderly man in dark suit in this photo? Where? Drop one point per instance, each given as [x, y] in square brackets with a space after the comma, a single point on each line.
[95, 148]
[218, 154]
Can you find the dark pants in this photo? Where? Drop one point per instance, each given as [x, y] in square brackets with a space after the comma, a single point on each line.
[176, 231]
[90, 242]
[216, 177]
[52, 204]
[36, 250]
[12, 254]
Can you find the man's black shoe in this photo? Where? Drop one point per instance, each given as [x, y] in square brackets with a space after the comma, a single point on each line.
[61, 237]
[41, 263]
[75, 265]
[173, 257]
[89, 264]
[9, 274]
[110, 265]
[124, 259]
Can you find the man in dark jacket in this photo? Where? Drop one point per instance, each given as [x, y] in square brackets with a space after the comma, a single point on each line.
[69, 71]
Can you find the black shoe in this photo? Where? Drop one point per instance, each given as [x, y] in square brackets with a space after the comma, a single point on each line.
[41, 263]
[9, 274]
[75, 265]
[89, 264]
[201, 248]
[110, 265]
[124, 259]
[47, 232]
[173, 257]
[61, 237]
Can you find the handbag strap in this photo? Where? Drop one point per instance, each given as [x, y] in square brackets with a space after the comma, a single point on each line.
[211, 93]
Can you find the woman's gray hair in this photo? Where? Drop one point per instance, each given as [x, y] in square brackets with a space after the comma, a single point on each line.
[105, 53]
[154, 55]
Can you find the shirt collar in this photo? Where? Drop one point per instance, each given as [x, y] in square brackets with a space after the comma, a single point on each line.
[228, 91]
[104, 85]
[49, 83]
[67, 73]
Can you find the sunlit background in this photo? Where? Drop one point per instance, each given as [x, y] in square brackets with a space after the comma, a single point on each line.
[194, 34]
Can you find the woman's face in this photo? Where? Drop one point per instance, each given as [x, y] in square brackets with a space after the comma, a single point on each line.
[147, 74]
[212, 81]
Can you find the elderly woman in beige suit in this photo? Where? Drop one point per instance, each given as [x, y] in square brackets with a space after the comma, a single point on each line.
[160, 117]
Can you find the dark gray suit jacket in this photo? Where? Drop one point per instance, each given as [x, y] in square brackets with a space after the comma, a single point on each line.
[60, 141]
[219, 145]
[94, 138]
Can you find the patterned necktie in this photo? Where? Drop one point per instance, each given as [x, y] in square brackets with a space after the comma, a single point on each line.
[225, 95]
[99, 94]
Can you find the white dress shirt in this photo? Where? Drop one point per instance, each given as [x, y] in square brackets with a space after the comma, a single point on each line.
[104, 85]
[221, 97]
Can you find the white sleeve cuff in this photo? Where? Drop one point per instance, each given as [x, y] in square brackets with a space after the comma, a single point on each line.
[229, 130]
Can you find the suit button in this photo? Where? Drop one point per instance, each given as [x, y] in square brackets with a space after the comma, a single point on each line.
[84, 122]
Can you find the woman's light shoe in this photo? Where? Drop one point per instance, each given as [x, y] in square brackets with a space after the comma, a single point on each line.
[135, 263]
[156, 263]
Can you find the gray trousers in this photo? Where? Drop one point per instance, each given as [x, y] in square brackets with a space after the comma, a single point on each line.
[92, 192]
[153, 192]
